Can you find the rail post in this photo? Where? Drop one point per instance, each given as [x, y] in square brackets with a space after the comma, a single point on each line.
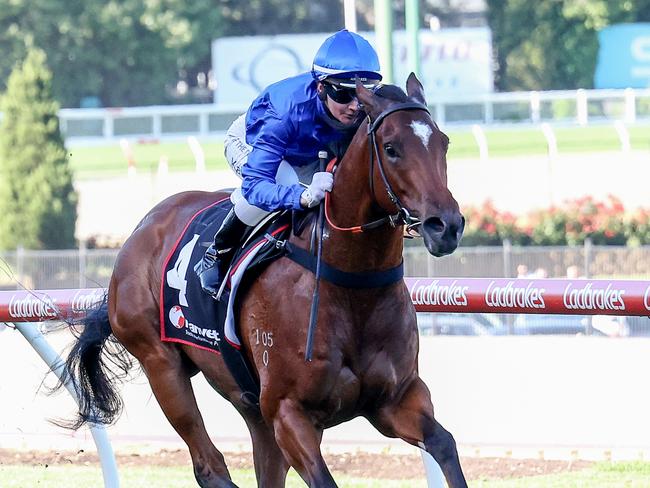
[535, 105]
[481, 141]
[106, 456]
[582, 107]
[435, 478]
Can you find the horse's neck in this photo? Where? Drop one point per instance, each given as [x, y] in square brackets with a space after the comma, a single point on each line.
[351, 204]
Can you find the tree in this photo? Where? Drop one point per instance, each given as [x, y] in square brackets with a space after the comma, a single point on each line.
[538, 47]
[124, 52]
[133, 52]
[38, 202]
[268, 17]
[553, 44]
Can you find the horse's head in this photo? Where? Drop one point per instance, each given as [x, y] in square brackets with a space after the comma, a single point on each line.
[410, 162]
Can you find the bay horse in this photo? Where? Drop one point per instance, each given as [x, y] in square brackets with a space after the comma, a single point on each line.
[365, 349]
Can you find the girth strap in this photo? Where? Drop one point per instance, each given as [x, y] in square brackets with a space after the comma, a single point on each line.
[345, 279]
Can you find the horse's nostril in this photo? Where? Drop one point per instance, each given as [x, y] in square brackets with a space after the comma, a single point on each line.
[435, 225]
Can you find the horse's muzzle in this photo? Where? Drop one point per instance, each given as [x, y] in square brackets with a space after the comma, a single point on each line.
[442, 233]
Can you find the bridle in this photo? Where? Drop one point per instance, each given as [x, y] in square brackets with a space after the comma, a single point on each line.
[403, 215]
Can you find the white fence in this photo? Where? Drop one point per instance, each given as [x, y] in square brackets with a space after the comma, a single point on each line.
[167, 122]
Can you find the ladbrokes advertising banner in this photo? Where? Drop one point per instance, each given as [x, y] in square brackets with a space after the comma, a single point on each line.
[547, 296]
[476, 295]
[454, 62]
[42, 305]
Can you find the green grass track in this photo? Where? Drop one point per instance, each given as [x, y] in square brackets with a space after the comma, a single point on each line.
[106, 161]
[601, 475]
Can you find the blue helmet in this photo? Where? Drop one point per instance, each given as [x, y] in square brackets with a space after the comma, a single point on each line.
[344, 57]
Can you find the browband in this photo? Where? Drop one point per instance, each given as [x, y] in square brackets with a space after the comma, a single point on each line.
[374, 124]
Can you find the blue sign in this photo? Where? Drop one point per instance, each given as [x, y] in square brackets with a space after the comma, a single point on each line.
[624, 56]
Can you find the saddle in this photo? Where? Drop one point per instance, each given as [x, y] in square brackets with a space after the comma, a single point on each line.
[190, 316]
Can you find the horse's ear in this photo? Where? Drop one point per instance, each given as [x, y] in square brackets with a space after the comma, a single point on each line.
[414, 89]
[366, 97]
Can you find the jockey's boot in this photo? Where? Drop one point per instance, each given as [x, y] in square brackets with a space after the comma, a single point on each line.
[213, 266]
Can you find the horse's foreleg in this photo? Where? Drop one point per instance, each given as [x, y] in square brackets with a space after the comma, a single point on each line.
[411, 418]
[270, 466]
[300, 442]
[172, 387]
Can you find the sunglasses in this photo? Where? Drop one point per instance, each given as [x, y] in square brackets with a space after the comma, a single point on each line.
[340, 94]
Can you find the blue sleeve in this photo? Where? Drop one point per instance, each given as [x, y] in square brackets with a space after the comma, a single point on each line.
[269, 147]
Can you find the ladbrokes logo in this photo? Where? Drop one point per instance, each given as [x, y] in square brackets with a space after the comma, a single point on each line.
[435, 294]
[514, 296]
[589, 299]
[646, 299]
[32, 306]
[81, 302]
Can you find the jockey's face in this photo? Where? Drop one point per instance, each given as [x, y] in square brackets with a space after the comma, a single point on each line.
[345, 112]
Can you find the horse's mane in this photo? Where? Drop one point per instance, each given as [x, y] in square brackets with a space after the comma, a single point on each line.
[392, 92]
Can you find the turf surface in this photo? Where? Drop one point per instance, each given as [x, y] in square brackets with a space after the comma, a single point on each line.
[105, 161]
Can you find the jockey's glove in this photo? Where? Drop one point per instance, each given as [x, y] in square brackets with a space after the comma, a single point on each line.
[315, 192]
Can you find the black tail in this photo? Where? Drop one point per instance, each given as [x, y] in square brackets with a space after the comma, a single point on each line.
[95, 364]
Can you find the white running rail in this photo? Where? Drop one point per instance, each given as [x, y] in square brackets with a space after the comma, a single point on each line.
[154, 123]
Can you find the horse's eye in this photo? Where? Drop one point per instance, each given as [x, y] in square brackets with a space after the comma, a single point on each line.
[390, 151]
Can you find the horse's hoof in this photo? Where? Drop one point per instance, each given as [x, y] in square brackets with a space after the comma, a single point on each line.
[214, 483]
[213, 480]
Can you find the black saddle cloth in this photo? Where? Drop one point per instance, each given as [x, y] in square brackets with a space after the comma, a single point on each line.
[190, 316]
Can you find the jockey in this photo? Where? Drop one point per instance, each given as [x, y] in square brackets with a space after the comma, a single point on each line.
[274, 146]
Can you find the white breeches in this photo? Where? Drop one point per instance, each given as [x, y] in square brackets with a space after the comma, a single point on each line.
[237, 150]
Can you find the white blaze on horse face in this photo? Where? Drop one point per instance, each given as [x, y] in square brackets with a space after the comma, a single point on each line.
[423, 131]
